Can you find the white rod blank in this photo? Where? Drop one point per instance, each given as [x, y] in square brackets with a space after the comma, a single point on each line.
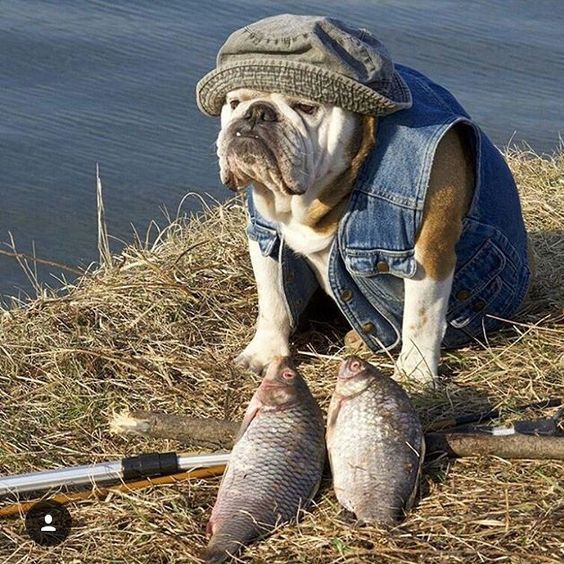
[92, 474]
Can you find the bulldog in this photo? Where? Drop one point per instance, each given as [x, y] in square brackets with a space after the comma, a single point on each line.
[384, 197]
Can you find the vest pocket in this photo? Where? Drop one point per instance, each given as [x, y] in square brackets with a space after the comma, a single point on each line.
[486, 263]
[477, 285]
[266, 237]
[374, 262]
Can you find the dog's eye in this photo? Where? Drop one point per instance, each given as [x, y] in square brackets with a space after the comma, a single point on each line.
[308, 109]
[234, 104]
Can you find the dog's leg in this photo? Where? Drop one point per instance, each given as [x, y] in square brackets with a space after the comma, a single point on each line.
[424, 325]
[450, 191]
[273, 322]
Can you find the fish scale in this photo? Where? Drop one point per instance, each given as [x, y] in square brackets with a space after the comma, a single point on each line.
[275, 466]
[375, 443]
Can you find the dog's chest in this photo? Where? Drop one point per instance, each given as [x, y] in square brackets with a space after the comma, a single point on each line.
[315, 248]
[319, 264]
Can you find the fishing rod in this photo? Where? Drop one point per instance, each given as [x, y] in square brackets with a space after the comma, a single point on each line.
[22, 507]
[166, 468]
[462, 420]
[104, 473]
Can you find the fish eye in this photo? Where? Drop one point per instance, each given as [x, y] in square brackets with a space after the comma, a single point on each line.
[234, 103]
[288, 375]
[304, 108]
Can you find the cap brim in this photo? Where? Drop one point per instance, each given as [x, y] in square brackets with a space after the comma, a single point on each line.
[301, 80]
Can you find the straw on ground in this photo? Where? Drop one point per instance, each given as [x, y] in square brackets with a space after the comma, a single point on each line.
[156, 330]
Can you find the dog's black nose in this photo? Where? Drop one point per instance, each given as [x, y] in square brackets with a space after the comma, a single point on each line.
[260, 112]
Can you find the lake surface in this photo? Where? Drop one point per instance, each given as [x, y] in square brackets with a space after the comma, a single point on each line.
[86, 81]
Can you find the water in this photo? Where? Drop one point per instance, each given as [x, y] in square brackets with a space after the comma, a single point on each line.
[86, 81]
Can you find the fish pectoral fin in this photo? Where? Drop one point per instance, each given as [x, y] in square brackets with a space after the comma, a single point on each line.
[332, 415]
[252, 411]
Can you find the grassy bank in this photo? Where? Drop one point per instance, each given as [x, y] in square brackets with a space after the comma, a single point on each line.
[157, 329]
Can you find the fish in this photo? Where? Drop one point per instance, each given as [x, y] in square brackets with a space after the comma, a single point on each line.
[375, 444]
[275, 466]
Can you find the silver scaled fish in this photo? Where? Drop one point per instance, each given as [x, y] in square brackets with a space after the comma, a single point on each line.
[275, 466]
[375, 444]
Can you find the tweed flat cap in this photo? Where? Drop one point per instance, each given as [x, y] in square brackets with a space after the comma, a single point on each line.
[313, 57]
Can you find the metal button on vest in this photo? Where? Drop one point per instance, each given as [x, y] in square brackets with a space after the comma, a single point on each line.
[368, 327]
[462, 295]
[382, 266]
[290, 277]
[479, 305]
[346, 295]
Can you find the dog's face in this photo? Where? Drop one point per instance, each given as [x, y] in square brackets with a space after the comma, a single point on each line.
[282, 143]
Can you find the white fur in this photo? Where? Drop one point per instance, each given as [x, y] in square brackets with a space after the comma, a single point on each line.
[324, 139]
[424, 324]
[273, 322]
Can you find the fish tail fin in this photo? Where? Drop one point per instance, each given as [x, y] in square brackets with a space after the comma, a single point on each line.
[215, 555]
[221, 550]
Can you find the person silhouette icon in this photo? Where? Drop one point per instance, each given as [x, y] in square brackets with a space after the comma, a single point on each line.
[48, 528]
[48, 523]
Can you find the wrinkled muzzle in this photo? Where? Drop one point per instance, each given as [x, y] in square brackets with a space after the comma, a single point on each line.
[262, 147]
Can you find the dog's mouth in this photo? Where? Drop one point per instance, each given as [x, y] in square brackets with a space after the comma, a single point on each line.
[248, 134]
[249, 158]
[244, 154]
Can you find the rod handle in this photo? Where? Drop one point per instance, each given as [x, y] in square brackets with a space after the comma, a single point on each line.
[150, 464]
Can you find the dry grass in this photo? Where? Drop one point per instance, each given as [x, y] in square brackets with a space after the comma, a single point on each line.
[157, 331]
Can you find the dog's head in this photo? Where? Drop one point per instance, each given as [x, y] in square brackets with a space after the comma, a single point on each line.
[271, 137]
[285, 144]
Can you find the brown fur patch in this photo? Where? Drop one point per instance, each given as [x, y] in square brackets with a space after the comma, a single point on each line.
[450, 191]
[326, 210]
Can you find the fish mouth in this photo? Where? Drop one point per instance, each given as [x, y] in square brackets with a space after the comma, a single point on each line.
[276, 396]
[350, 367]
[272, 386]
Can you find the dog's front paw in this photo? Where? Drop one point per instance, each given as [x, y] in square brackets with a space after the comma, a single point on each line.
[415, 371]
[261, 350]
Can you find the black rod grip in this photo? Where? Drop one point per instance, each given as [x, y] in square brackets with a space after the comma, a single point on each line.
[150, 465]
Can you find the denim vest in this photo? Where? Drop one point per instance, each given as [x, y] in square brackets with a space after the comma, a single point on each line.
[373, 250]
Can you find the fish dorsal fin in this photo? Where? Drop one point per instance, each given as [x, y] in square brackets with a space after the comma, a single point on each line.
[252, 411]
